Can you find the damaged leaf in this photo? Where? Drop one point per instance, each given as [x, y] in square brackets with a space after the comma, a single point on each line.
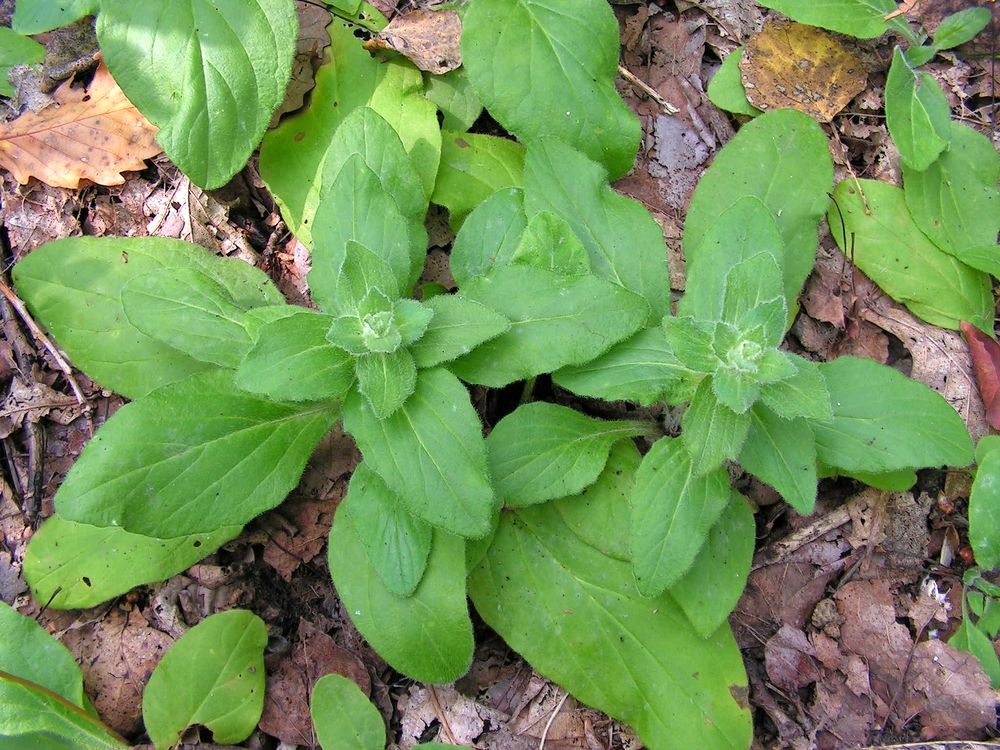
[429, 38]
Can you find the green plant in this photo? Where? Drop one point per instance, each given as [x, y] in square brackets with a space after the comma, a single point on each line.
[557, 274]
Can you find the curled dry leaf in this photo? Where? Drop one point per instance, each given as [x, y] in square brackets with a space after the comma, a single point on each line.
[430, 39]
[794, 66]
[93, 134]
[985, 354]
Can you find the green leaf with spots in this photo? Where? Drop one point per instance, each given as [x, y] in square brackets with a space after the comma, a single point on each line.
[473, 167]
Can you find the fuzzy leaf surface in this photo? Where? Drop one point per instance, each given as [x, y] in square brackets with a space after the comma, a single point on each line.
[191, 458]
[343, 716]
[458, 326]
[386, 380]
[473, 167]
[916, 111]
[782, 452]
[712, 432]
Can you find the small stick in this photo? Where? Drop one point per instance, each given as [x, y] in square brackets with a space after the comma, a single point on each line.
[445, 726]
[666, 106]
[552, 718]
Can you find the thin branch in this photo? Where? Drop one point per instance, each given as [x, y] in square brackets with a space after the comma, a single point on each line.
[666, 106]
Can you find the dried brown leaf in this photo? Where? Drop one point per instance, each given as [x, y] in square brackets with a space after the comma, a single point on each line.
[430, 39]
[985, 353]
[790, 659]
[93, 134]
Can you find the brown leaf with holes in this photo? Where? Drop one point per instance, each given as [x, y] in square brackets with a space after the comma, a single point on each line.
[93, 134]
[985, 354]
[429, 38]
[794, 66]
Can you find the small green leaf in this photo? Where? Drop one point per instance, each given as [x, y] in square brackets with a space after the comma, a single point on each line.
[712, 432]
[624, 242]
[38, 16]
[955, 201]
[209, 75]
[73, 565]
[213, 676]
[735, 388]
[889, 424]
[544, 451]
[776, 366]
[916, 111]
[960, 27]
[972, 640]
[890, 249]
[691, 342]
[16, 49]
[398, 543]
[386, 380]
[984, 511]
[673, 507]
[708, 592]
[554, 323]
[803, 394]
[412, 318]
[726, 87]
[864, 19]
[642, 368]
[549, 243]
[191, 458]
[455, 98]
[457, 327]
[489, 237]
[917, 56]
[548, 67]
[986, 444]
[427, 636]
[343, 716]
[473, 167]
[782, 453]
[751, 285]
[430, 452]
[362, 271]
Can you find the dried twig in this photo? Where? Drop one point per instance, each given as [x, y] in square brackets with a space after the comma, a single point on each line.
[649, 91]
[445, 726]
[552, 718]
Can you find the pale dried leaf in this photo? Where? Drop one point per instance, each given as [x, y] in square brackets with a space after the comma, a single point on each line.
[93, 134]
[428, 38]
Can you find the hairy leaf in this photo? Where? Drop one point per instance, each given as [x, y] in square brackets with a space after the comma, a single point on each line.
[473, 167]
[960, 27]
[459, 325]
[916, 111]
[548, 242]
[343, 716]
[782, 453]
[804, 394]
[386, 380]
[712, 431]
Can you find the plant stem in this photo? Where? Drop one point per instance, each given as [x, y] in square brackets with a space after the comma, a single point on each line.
[526, 393]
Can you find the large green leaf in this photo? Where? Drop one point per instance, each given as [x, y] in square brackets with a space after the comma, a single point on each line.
[916, 111]
[545, 451]
[673, 507]
[427, 636]
[208, 73]
[548, 67]
[955, 201]
[883, 422]
[984, 511]
[490, 236]
[861, 18]
[890, 248]
[554, 323]
[343, 716]
[73, 287]
[73, 565]
[624, 242]
[576, 616]
[213, 676]
[782, 159]
[712, 432]
[16, 49]
[430, 452]
[473, 167]
[459, 325]
[191, 458]
[455, 98]
[782, 452]
[37, 16]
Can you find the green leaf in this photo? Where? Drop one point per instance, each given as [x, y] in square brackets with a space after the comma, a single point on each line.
[782, 453]
[386, 380]
[960, 27]
[427, 636]
[548, 67]
[544, 451]
[29, 652]
[891, 250]
[624, 242]
[293, 361]
[473, 167]
[191, 458]
[343, 716]
[673, 507]
[189, 311]
[16, 49]
[430, 452]
[361, 272]
[984, 511]
[208, 74]
[213, 676]
[37, 16]
[985, 259]
[712, 432]
[34, 717]
[916, 111]
[458, 326]
[639, 660]
[292, 155]
[955, 201]
[456, 100]
[917, 56]
[490, 236]
[890, 423]
[554, 323]
[548, 242]
[804, 394]
[864, 19]
[782, 159]
[735, 389]
[986, 444]
[73, 565]
[972, 640]
[73, 287]
[398, 543]
[710, 589]
[726, 87]
[413, 319]
[751, 285]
